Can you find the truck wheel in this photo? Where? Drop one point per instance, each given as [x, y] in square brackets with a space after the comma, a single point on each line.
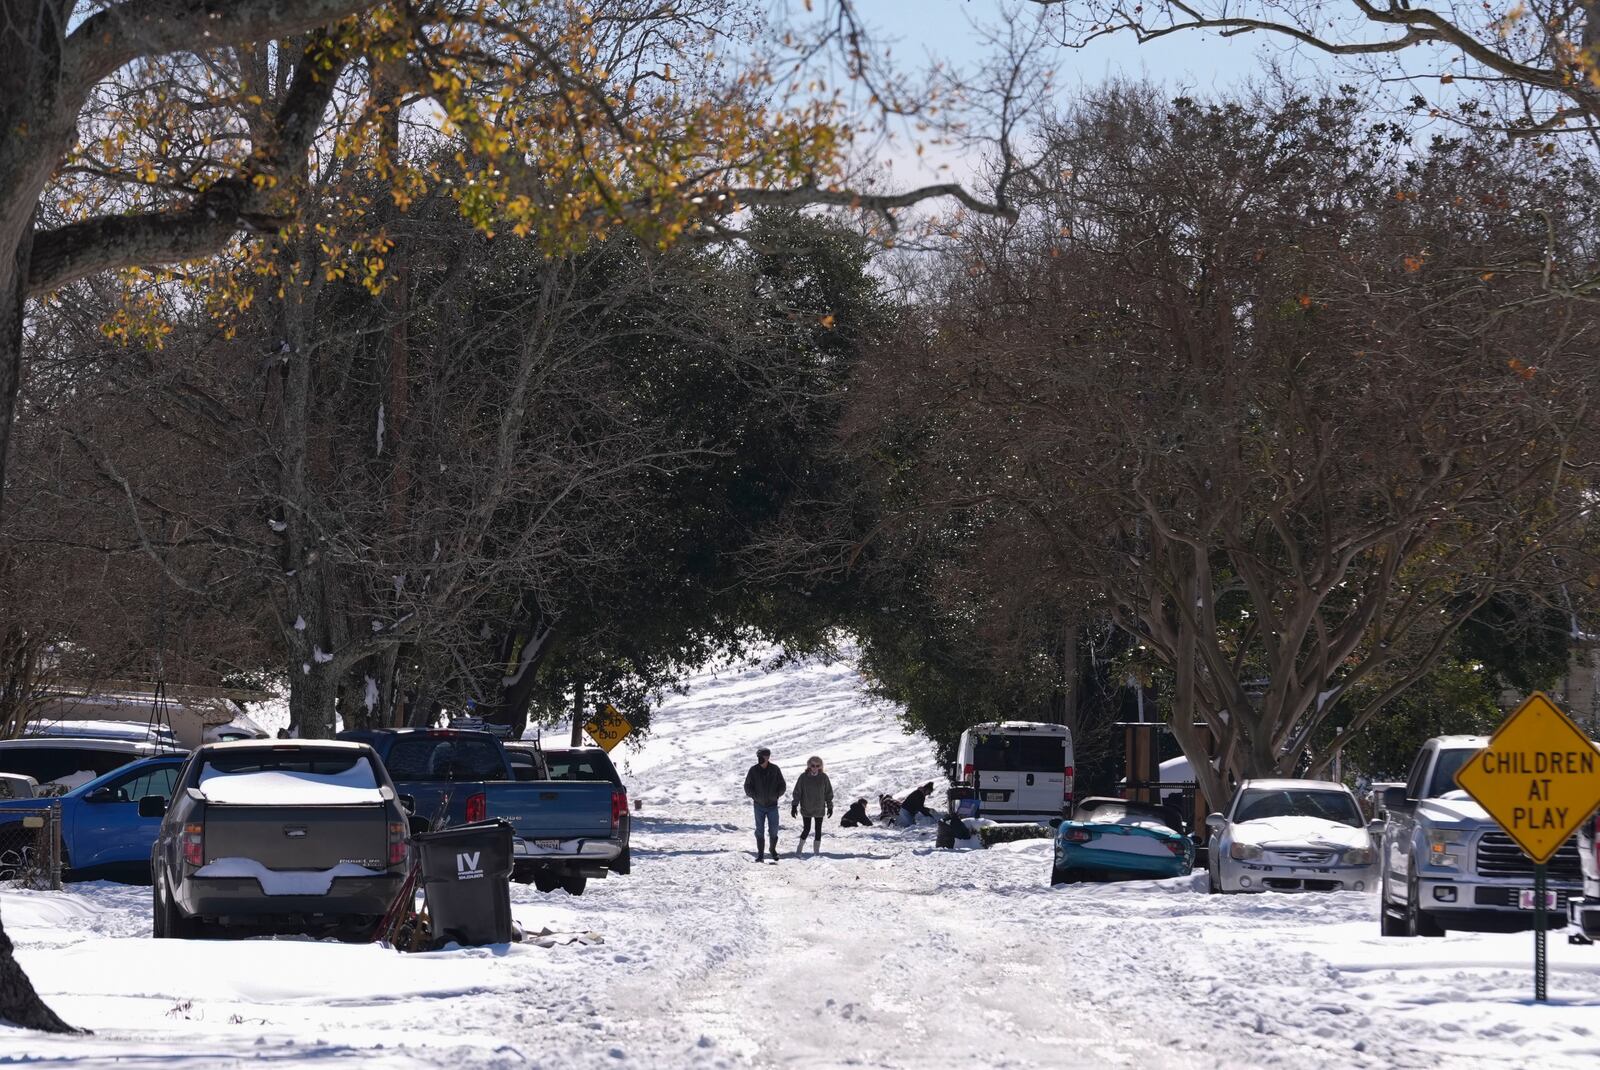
[177, 925]
[545, 882]
[575, 885]
[1418, 921]
[623, 862]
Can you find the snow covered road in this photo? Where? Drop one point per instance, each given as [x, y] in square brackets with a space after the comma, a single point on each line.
[879, 953]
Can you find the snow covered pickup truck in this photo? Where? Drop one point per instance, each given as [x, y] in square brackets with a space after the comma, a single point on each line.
[1584, 912]
[307, 836]
[451, 776]
[1446, 864]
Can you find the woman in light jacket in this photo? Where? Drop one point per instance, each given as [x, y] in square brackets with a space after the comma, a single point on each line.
[812, 797]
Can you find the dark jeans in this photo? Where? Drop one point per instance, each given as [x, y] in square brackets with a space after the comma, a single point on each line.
[769, 815]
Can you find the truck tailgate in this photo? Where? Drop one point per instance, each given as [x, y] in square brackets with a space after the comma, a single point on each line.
[298, 837]
[553, 809]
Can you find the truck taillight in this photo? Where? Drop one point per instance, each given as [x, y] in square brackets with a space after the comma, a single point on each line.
[397, 842]
[194, 844]
[1066, 782]
[477, 806]
[619, 806]
[967, 771]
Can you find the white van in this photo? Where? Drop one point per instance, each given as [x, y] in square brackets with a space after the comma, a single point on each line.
[1022, 770]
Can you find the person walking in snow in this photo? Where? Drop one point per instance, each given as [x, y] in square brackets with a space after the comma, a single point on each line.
[856, 816]
[813, 794]
[764, 785]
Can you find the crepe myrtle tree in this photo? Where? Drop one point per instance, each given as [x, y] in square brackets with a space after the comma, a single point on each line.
[1288, 401]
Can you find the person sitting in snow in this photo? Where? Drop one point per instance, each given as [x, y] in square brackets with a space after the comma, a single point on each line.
[888, 808]
[856, 816]
[916, 804]
[813, 793]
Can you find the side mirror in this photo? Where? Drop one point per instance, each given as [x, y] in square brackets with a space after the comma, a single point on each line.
[408, 803]
[101, 795]
[1395, 799]
[1215, 823]
[950, 772]
[153, 806]
[1375, 828]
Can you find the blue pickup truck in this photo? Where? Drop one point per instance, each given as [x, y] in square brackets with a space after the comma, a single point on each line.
[564, 828]
[102, 835]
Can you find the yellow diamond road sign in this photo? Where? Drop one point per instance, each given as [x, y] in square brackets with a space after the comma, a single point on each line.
[1539, 777]
[608, 727]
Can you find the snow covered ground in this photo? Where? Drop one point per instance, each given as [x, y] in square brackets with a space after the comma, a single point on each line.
[880, 953]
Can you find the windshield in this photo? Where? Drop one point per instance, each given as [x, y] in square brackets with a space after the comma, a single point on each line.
[578, 766]
[1445, 770]
[1255, 804]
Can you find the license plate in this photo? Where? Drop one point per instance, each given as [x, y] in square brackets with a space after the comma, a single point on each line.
[994, 796]
[547, 843]
[1527, 900]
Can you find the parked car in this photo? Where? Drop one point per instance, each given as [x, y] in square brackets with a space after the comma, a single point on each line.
[1584, 911]
[1290, 835]
[277, 836]
[1021, 770]
[1448, 865]
[1117, 839]
[17, 786]
[564, 828]
[59, 764]
[103, 836]
[527, 761]
[594, 764]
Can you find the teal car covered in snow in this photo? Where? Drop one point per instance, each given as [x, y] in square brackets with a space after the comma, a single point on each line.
[1115, 839]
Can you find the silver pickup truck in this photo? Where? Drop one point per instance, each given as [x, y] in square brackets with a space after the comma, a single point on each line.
[1584, 911]
[1446, 862]
[266, 835]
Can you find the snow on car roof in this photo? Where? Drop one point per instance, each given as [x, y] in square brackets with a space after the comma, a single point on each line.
[297, 744]
[1291, 784]
[1042, 727]
[1462, 742]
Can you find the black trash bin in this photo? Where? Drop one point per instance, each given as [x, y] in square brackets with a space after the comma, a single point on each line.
[466, 875]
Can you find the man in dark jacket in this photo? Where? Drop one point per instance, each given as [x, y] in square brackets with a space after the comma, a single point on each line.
[764, 785]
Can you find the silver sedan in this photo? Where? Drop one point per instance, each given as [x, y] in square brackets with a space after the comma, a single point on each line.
[1291, 835]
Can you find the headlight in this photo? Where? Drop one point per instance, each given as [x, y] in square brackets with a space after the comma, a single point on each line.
[1242, 851]
[1358, 856]
[1441, 847]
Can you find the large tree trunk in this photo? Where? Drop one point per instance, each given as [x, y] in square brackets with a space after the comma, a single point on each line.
[19, 1003]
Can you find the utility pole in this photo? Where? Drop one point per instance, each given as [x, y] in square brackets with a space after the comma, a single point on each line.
[577, 714]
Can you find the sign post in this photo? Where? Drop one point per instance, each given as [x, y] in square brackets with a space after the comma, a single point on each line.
[608, 727]
[1539, 777]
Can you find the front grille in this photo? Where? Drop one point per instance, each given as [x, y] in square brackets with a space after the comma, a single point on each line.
[1305, 858]
[1499, 856]
[1507, 897]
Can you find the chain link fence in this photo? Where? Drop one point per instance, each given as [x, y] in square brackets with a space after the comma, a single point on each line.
[30, 846]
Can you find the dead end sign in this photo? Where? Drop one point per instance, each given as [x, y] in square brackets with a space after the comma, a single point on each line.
[608, 727]
[1539, 777]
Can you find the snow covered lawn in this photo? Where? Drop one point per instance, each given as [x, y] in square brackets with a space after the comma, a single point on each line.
[880, 953]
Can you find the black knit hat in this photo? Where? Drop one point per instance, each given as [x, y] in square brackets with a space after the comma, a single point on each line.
[763, 752]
